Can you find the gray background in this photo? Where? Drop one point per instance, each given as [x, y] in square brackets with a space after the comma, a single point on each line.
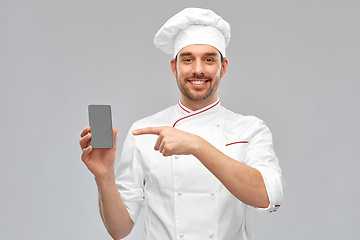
[295, 64]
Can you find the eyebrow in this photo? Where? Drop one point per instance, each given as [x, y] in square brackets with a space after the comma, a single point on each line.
[205, 54]
[184, 54]
[210, 54]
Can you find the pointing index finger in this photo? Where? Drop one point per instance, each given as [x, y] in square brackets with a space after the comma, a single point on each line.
[148, 130]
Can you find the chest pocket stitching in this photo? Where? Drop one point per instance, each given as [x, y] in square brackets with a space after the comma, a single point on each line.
[236, 150]
[236, 143]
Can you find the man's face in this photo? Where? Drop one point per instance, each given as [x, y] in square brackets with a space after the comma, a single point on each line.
[198, 71]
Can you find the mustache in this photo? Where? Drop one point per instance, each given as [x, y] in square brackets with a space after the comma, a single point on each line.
[197, 76]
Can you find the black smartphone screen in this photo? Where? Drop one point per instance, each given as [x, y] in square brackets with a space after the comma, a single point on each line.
[101, 126]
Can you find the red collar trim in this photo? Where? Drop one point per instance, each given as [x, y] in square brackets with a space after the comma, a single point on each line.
[195, 113]
[183, 107]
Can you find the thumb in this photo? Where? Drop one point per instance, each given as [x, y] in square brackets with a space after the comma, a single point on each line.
[115, 131]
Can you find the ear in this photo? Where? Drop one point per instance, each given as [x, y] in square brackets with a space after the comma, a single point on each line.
[173, 66]
[225, 65]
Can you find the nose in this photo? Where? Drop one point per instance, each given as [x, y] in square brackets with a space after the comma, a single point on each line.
[198, 68]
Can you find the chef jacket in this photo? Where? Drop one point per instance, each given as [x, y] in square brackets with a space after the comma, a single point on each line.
[182, 199]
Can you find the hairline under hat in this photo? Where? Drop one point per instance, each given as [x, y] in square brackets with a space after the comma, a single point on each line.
[199, 34]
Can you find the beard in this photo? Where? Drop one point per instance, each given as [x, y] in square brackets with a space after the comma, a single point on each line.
[197, 95]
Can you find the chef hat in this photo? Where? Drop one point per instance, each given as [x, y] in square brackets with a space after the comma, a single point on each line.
[193, 26]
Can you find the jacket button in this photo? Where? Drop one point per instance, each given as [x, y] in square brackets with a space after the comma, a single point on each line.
[211, 235]
[212, 194]
[179, 193]
[181, 235]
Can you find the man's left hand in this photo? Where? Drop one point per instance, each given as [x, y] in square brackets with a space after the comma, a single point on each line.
[171, 141]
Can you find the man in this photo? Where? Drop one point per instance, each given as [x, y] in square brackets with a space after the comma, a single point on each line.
[196, 167]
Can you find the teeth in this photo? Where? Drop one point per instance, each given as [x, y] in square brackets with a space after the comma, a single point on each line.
[198, 82]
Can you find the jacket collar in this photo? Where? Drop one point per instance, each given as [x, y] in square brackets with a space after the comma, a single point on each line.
[186, 113]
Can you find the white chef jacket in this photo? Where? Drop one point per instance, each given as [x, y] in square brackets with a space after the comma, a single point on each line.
[182, 199]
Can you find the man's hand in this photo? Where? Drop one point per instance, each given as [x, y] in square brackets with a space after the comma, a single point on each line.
[99, 161]
[171, 141]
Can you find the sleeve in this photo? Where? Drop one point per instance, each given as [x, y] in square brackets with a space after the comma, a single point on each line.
[129, 177]
[261, 156]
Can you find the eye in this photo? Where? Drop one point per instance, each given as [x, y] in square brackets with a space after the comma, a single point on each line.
[209, 60]
[187, 60]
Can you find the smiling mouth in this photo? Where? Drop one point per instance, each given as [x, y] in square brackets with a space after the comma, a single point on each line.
[198, 82]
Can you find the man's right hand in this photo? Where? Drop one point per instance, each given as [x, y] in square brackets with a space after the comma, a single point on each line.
[100, 161]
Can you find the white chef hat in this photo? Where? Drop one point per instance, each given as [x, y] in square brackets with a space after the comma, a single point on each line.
[193, 26]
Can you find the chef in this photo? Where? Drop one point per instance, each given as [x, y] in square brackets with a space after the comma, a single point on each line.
[196, 168]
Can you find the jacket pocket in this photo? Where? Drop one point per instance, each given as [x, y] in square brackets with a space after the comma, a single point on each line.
[236, 149]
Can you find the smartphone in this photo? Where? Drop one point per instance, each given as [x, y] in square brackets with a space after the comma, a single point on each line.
[101, 126]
